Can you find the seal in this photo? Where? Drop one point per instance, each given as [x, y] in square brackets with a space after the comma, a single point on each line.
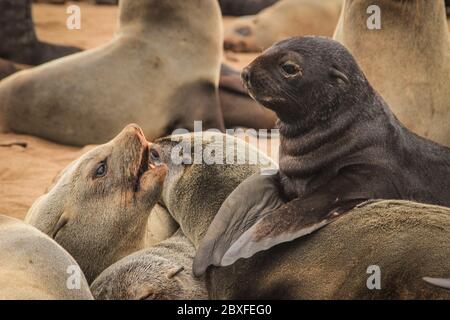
[18, 40]
[7, 68]
[336, 262]
[314, 267]
[340, 145]
[204, 163]
[244, 8]
[34, 267]
[162, 272]
[161, 80]
[416, 91]
[284, 19]
[99, 208]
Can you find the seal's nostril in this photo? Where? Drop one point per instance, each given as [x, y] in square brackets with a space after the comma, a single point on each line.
[245, 75]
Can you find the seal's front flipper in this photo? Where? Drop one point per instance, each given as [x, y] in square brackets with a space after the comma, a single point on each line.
[438, 282]
[245, 205]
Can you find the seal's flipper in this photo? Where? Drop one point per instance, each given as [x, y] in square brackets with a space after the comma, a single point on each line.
[438, 282]
[254, 218]
[246, 204]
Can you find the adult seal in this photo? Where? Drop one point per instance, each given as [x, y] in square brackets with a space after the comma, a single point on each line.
[160, 71]
[284, 19]
[34, 267]
[340, 145]
[100, 208]
[412, 70]
[162, 272]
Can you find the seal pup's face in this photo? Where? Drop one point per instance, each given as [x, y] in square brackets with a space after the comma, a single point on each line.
[99, 207]
[146, 276]
[303, 78]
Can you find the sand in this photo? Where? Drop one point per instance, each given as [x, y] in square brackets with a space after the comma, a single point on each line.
[27, 173]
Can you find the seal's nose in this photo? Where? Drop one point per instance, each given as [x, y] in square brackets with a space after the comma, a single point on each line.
[245, 75]
[133, 128]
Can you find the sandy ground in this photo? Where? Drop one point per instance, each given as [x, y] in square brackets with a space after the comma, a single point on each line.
[27, 173]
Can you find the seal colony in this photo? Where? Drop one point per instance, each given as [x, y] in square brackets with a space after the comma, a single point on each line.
[161, 80]
[340, 145]
[99, 209]
[407, 60]
[33, 266]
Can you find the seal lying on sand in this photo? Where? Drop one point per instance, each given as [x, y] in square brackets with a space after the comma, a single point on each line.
[407, 240]
[407, 60]
[160, 71]
[99, 208]
[243, 7]
[33, 266]
[18, 40]
[284, 19]
[340, 145]
[162, 272]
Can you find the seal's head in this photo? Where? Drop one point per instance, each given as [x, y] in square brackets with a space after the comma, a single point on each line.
[305, 79]
[147, 276]
[99, 207]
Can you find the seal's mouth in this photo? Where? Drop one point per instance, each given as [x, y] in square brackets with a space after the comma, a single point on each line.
[143, 167]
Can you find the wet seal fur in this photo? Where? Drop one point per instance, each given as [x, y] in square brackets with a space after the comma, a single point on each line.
[35, 267]
[407, 61]
[162, 272]
[100, 206]
[160, 71]
[284, 19]
[340, 146]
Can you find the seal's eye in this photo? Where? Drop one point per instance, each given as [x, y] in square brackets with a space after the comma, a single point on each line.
[290, 69]
[100, 171]
[154, 154]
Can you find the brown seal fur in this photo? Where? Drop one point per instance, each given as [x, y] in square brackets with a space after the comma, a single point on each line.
[407, 240]
[99, 208]
[340, 146]
[161, 71]
[407, 61]
[34, 267]
[162, 272]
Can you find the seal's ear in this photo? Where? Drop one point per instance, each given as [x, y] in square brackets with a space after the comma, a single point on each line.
[438, 282]
[336, 73]
[245, 205]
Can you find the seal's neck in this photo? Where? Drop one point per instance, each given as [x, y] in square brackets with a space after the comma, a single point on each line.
[174, 18]
[349, 130]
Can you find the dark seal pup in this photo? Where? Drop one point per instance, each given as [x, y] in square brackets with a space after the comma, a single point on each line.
[340, 146]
